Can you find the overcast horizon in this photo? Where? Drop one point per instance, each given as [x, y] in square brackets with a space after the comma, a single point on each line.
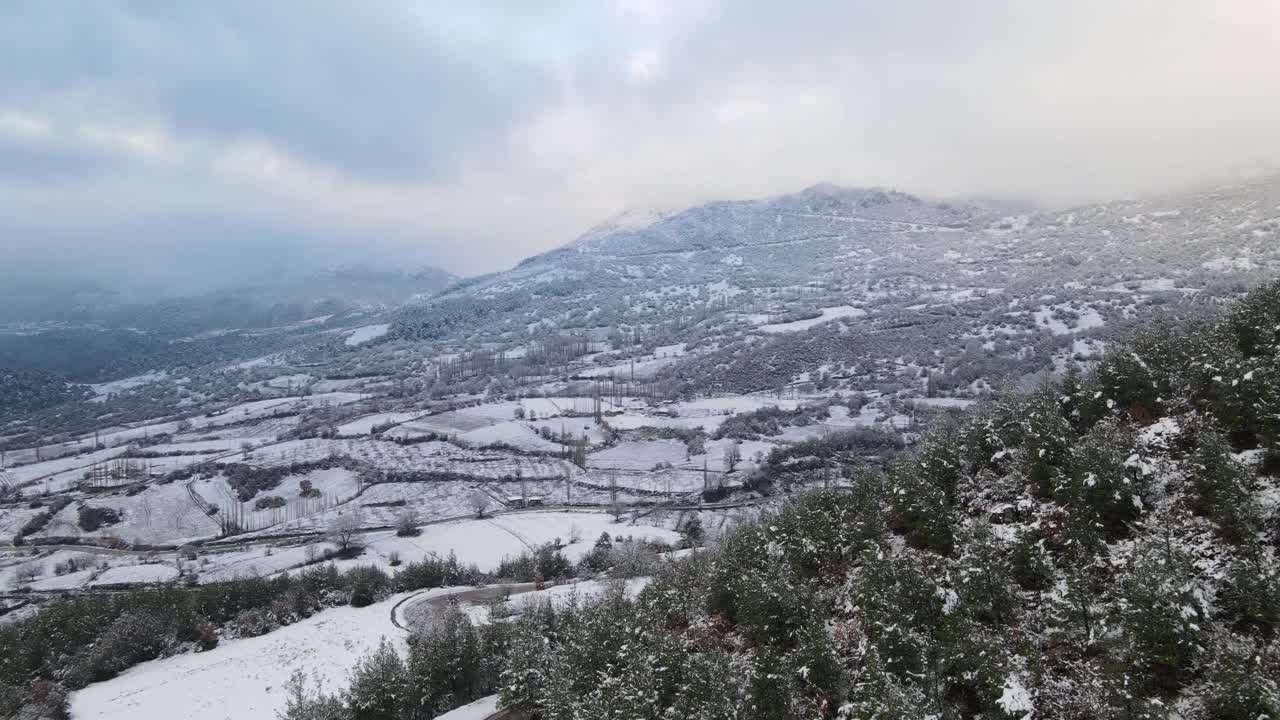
[184, 144]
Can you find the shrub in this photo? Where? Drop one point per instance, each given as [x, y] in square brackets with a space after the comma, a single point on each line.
[93, 518]
[269, 502]
[407, 524]
[366, 585]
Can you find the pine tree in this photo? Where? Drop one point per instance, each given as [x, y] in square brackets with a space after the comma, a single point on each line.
[1100, 484]
[1251, 596]
[1047, 442]
[1243, 681]
[713, 687]
[1029, 563]
[918, 509]
[1162, 617]
[984, 579]
[380, 688]
[1223, 488]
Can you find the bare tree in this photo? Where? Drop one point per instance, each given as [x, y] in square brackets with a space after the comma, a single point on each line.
[27, 574]
[614, 508]
[344, 532]
[480, 501]
[732, 456]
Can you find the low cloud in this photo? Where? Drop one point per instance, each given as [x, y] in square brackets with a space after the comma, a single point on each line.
[471, 136]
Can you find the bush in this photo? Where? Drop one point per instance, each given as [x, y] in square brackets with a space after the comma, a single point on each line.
[407, 524]
[93, 518]
[269, 502]
[367, 585]
[435, 572]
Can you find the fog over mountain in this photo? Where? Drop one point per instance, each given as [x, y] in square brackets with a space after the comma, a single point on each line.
[177, 145]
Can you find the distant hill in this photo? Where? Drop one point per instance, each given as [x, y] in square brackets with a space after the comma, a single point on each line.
[26, 391]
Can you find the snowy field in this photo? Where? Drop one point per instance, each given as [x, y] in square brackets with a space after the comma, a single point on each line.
[102, 390]
[366, 333]
[332, 485]
[269, 411]
[519, 435]
[383, 503]
[828, 314]
[244, 678]
[247, 677]
[484, 543]
[365, 425]
[439, 457]
[638, 455]
[677, 481]
[161, 514]
[1088, 318]
[732, 405]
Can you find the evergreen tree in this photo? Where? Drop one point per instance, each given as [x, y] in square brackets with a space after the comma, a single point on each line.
[1100, 484]
[380, 688]
[1047, 441]
[984, 579]
[1029, 563]
[1162, 616]
[918, 510]
[1223, 489]
[1243, 681]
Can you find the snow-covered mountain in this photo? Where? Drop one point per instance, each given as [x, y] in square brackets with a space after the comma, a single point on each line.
[924, 278]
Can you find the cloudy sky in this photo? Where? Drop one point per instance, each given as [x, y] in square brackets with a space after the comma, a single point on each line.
[203, 136]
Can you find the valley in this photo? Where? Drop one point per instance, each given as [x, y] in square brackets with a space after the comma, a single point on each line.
[666, 383]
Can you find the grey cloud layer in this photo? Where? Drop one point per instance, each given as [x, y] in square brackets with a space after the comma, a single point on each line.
[371, 88]
[477, 133]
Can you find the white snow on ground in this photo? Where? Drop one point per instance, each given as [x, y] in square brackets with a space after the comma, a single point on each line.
[478, 710]
[48, 468]
[486, 542]
[483, 543]
[12, 562]
[284, 382]
[1228, 264]
[137, 574]
[677, 481]
[161, 514]
[327, 386]
[560, 595]
[430, 501]
[365, 425]
[70, 581]
[366, 333]
[945, 402]
[1088, 318]
[1015, 700]
[196, 446]
[333, 485]
[841, 419]
[634, 421]
[515, 434]
[731, 404]
[828, 314]
[245, 678]
[439, 457]
[639, 455]
[642, 367]
[102, 390]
